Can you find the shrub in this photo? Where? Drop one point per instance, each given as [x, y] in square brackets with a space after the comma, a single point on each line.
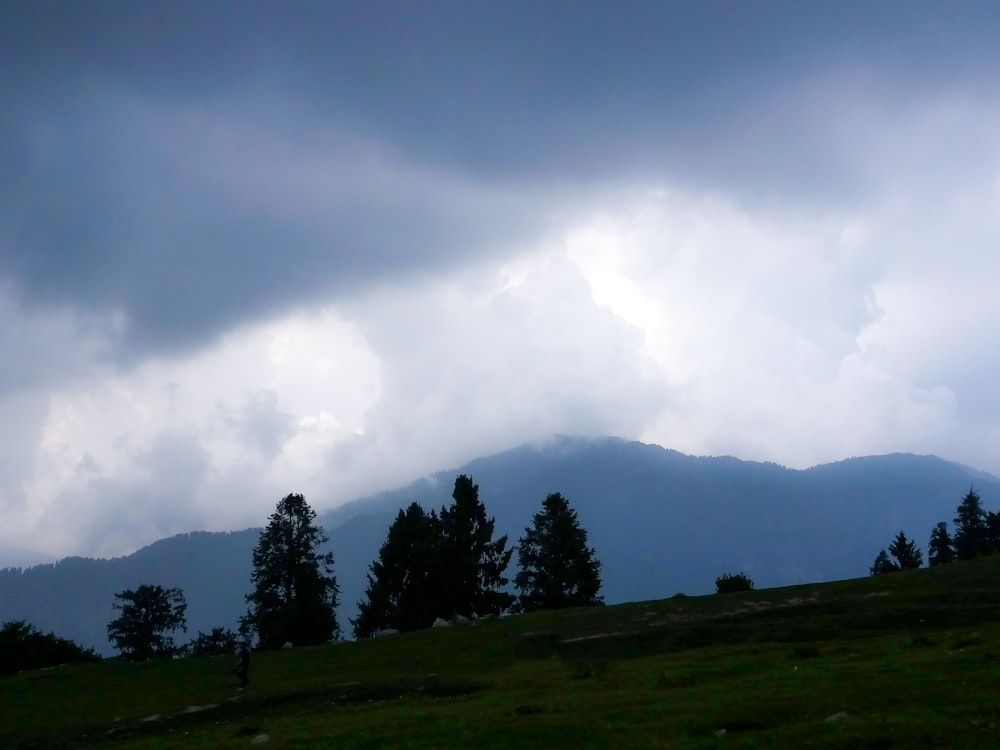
[22, 647]
[219, 642]
[728, 583]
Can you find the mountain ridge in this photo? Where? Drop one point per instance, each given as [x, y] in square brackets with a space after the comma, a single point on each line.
[660, 521]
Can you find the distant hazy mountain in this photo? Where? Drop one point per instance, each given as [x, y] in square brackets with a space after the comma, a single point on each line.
[661, 522]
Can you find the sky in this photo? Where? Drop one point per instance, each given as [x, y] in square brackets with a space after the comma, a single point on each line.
[254, 248]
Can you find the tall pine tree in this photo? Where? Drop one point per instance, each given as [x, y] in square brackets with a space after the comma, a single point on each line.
[295, 592]
[557, 568]
[403, 582]
[970, 527]
[472, 562]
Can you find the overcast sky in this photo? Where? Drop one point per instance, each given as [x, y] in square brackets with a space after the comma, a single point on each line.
[253, 248]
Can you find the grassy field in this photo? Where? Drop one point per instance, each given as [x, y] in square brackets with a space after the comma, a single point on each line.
[909, 660]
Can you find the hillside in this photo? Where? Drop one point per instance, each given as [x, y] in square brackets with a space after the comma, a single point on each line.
[662, 522]
[906, 660]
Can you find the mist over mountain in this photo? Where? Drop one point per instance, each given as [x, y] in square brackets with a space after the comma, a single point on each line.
[660, 521]
[19, 557]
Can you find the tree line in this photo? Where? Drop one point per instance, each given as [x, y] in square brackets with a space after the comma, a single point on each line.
[976, 533]
[435, 564]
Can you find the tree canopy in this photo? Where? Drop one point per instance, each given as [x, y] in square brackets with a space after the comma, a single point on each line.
[295, 592]
[148, 615]
[557, 568]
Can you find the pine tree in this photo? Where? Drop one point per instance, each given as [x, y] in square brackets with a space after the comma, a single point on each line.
[148, 615]
[295, 592]
[906, 553]
[970, 527]
[883, 565]
[557, 568]
[472, 562]
[403, 581]
[940, 550]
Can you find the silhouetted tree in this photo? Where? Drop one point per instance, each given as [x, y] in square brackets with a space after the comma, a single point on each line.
[472, 562]
[220, 641]
[906, 553]
[940, 550]
[22, 647]
[557, 568]
[993, 531]
[403, 580]
[295, 592]
[148, 615]
[883, 564]
[970, 527]
[729, 583]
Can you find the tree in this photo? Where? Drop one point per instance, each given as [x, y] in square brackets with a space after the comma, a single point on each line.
[940, 550]
[22, 646]
[883, 565]
[403, 581]
[295, 592]
[220, 641]
[473, 562]
[970, 527]
[148, 615]
[729, 583]
[906, 553]
[557, 568]
[993, 531]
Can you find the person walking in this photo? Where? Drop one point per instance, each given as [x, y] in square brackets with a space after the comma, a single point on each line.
[243, 664]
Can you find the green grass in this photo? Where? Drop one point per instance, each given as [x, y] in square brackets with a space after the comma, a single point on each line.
[908, 660]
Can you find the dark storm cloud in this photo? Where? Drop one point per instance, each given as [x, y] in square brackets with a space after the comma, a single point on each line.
[194, 164]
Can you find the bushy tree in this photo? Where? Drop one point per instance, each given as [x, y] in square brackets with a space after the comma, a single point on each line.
[148, 615]
[883, 564]
[557, 568]
[472, 561]
[403, 581]
[220, 641]
[729, 583]
[295, 592]
[940, 550]
[906, 553]
[970, 527]
[22, 646]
